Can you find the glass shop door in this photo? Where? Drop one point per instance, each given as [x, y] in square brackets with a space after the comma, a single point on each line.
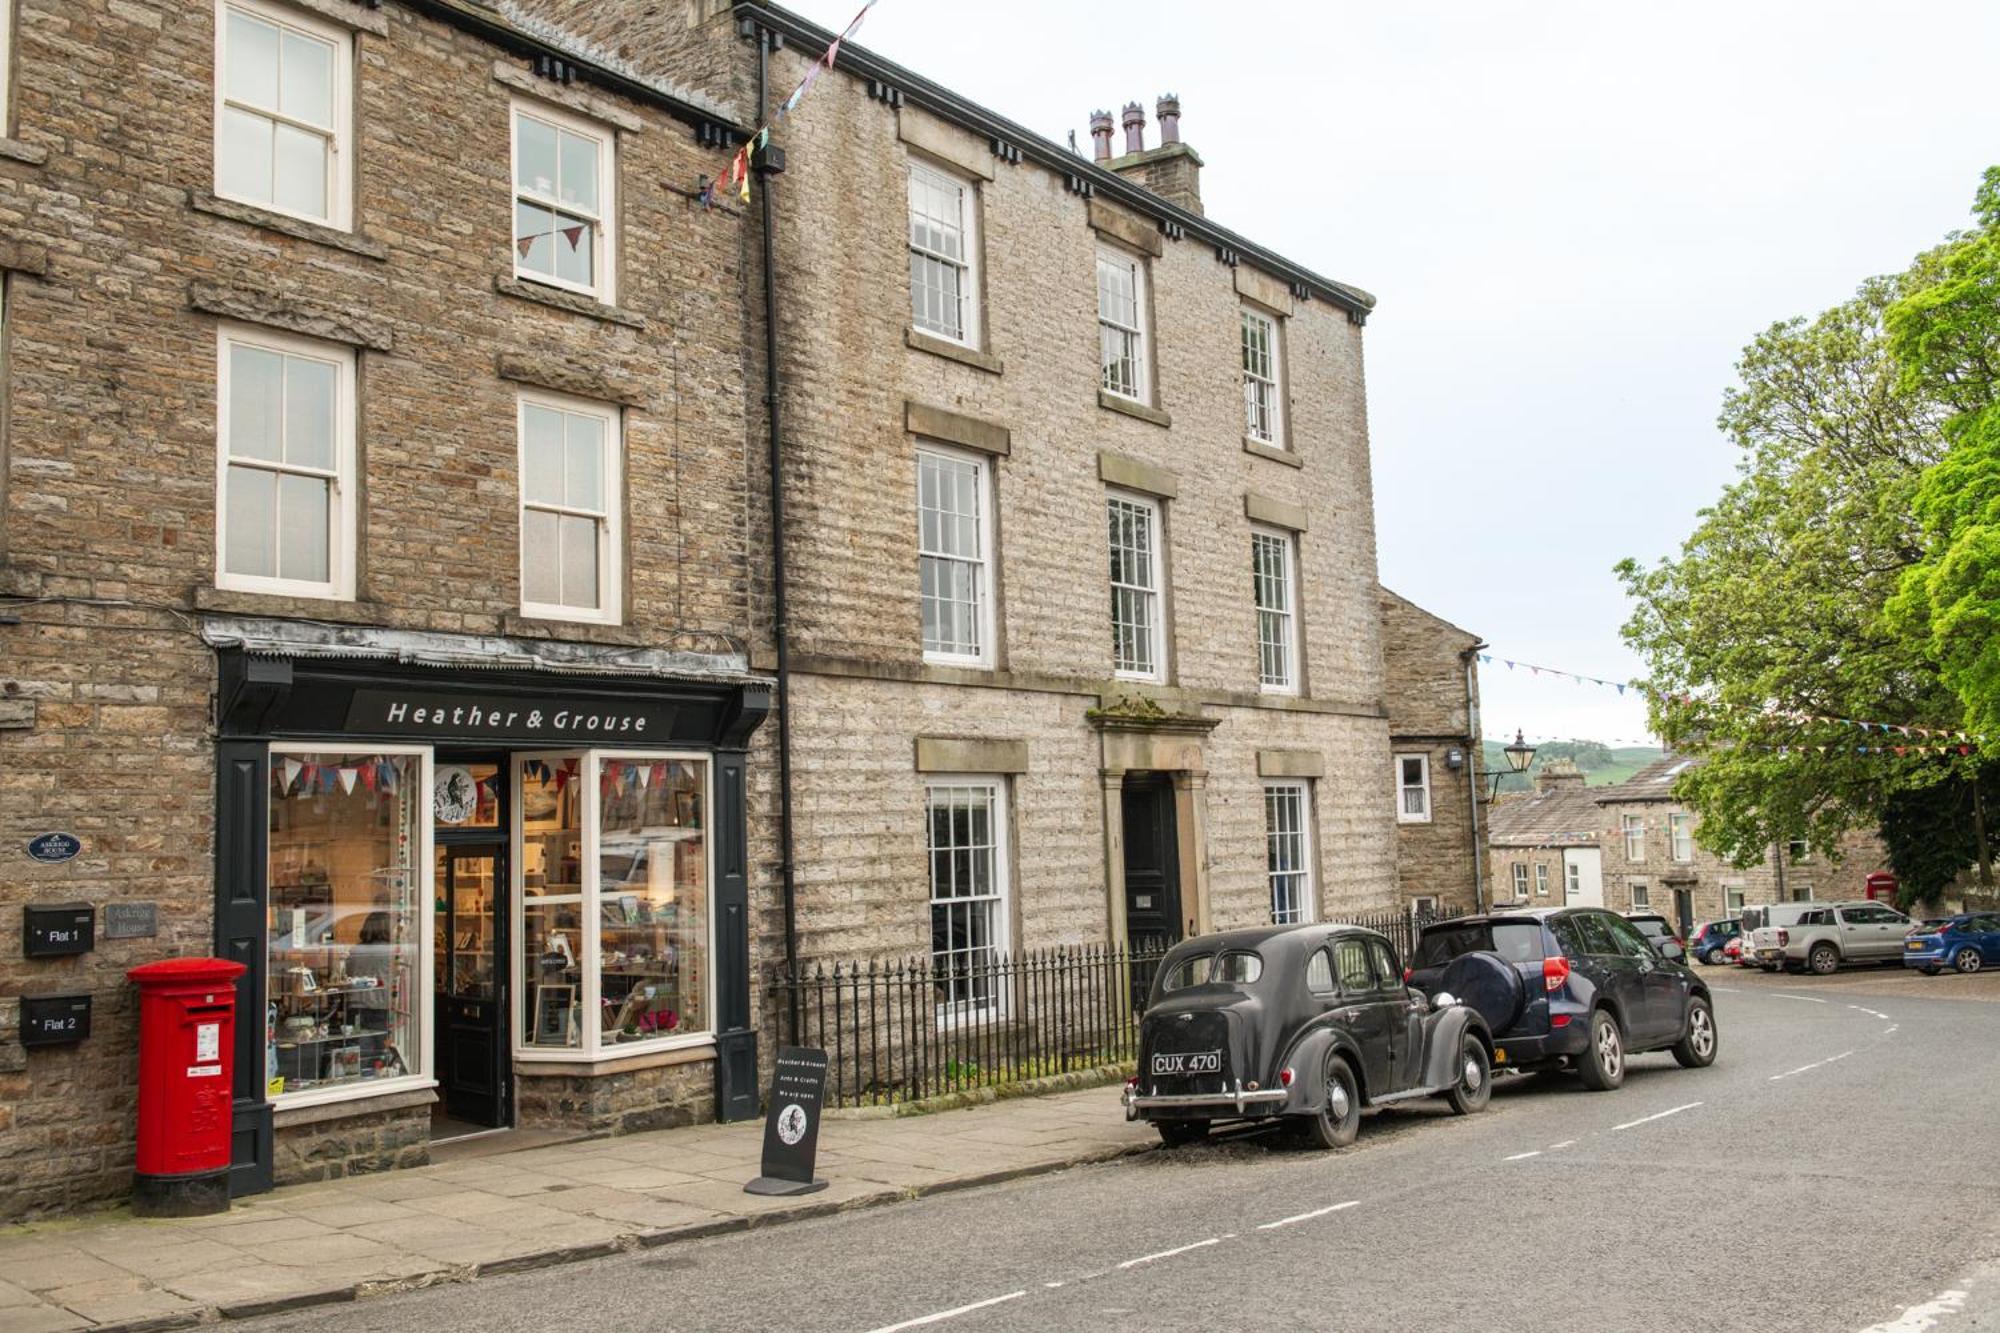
[474, 1069]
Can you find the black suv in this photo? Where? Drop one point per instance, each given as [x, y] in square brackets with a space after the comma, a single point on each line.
[1575, 987]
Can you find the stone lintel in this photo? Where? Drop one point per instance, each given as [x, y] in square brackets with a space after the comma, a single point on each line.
[277, 311]
[1278, 513]
[935, 423]
[570, 98]
[947, 143]
[1291, 764]
[1118, 225]
[567, 375]
[1264, 289]
[1131, 474]
[947, 754]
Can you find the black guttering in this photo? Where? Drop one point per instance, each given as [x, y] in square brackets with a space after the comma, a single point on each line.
[944, 103]
[493, 28]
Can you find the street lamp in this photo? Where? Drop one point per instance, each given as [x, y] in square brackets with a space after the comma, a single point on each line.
[1519, 755]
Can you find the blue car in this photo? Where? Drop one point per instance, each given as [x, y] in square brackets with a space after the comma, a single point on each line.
[1966, 942]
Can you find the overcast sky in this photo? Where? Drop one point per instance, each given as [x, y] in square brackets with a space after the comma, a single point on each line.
[1574, 216]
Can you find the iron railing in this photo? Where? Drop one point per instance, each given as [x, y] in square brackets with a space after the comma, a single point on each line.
[908, 1029]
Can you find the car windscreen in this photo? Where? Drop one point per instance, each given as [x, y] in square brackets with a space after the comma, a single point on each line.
[1753, 919]
[1235, 968]
[1516, 941]
[1654, 926]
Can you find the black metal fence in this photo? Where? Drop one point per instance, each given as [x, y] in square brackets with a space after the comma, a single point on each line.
[909, 1029]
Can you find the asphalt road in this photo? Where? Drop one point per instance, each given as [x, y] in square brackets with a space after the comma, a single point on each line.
[1838, 1168]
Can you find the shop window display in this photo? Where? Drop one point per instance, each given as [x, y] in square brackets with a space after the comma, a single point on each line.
[346, 891]
[552, 903]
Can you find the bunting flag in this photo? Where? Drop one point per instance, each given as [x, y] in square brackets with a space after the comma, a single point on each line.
[347, 779]
[737, 179]
[573, 235]
[292, 769]
[525, 244]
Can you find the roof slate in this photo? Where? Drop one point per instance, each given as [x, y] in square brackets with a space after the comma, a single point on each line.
[1563, 816]
[1654, 782]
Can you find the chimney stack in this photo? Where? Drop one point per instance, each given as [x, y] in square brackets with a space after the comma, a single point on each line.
[1172, 170]
[1100, 136]
[1135, 128]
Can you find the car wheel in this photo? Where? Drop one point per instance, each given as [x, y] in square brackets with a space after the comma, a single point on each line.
[1180, 1133]
[1339, 1120]
[1696, 1050]
[1602, 1064]
[1475, 1079]
[1968, 961]
[1929, 969]
[1824, 960]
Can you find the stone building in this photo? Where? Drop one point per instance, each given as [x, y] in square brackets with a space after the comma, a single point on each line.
[1430, 685]
[1632, 847]
[370, 567]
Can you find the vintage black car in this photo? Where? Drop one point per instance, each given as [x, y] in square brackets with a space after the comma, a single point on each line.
[1305, 1023]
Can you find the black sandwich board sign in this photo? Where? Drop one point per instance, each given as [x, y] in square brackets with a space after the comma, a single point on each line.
[791, 1123]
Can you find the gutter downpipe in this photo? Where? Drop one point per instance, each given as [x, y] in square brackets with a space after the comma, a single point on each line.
[1475, 746]
[781, 629]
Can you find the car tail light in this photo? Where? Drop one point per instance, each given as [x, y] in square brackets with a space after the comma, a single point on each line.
[1784, 938]
[1555, 971]
[1408, 972]
[1559, 1021]
[1285, 1076]
[1132, 1083]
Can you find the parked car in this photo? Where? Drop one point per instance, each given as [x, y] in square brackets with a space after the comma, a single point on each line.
[1710, 941]
[1769, 916]
[1661, 932]
[1825, 936]
[1966, 942]
[1569, 987]
[1308, 1024]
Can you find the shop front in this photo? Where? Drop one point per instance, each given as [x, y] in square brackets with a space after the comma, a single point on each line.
[473, 898]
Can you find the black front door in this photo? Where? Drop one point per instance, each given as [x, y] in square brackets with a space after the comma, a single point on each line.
[471, 963]
[1153, 921]
[1684, 912]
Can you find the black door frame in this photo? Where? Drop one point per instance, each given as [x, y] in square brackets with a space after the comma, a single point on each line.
[500, 838]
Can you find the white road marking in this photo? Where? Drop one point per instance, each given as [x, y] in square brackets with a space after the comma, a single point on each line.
[1870, 1012]
[1306, 1217]
[1893, 1027]
[943, 1315]
[1814, 1065]
[1727, 990]
[1521, 1156]
[1167, 1254]
[1052, 1285]
[1657, 1115]
[1919, 1317]
[1808, 999]
[1566, 1143]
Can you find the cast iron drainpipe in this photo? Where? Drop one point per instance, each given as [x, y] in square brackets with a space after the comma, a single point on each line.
[767, 167]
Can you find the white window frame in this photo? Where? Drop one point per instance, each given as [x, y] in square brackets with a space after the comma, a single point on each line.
[1156, 520]
[7, 8]
[1403, 789]
[1140, 331]
[340, 150]
[1732, 900]
[1799, 850]
[969, 306]
[1307, 883]
[424, 1075]
[1641, 894]
[592, 1049]
[953, 1012]
[1287, 615]
[983, 562]
[1680, 837]
[1634, 829]
[1424, 904]
[1802, 893]
[1274, 435]
[1520, 879]
[1541, 879]
[611, 543]
[342, 522]
[604, 261]
[1572, 880]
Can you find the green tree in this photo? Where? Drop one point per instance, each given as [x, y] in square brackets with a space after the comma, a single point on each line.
[1946, 334]
[1775, 604]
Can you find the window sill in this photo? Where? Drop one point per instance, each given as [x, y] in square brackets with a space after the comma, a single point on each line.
[31, 153]
[532, 1063]
[1272, 452]
[1132, 408]
[368, 1098]
[201, 201]
[951, 351]
[558, 299]
[286, 605]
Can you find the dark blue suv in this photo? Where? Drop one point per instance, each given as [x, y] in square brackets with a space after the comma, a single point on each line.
[1575, 987]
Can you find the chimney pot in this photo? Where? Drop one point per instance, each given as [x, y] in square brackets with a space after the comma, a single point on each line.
[1100, 135]
[1169, 109]
[1135, 128]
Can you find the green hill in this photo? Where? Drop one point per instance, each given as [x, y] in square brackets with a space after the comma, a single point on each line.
[1602, 765]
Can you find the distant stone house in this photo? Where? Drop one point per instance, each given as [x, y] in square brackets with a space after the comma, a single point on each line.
[1430, 690]
[1544, 848]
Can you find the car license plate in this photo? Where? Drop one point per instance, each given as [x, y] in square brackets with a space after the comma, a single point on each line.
[1187, 1062]
[1913, 944]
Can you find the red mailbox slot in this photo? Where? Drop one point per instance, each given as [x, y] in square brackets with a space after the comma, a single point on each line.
[187, 1079]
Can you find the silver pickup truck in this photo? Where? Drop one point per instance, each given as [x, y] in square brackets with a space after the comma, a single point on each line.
[1824, 936]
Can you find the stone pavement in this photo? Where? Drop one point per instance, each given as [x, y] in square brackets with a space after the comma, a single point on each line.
[479, 1215]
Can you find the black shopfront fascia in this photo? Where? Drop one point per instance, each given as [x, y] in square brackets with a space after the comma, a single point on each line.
[264, 699]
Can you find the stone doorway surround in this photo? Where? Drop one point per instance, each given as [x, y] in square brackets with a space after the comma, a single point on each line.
[1138, 734]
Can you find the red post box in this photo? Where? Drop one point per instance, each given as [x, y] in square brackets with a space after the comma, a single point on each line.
[1881, 887]
[187, 1079]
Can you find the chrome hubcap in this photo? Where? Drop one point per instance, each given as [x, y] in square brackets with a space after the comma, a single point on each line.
[1474, 1075]
[1608, 1052]
[1968, 961]
[1704, 1033]
[1336, 1102]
